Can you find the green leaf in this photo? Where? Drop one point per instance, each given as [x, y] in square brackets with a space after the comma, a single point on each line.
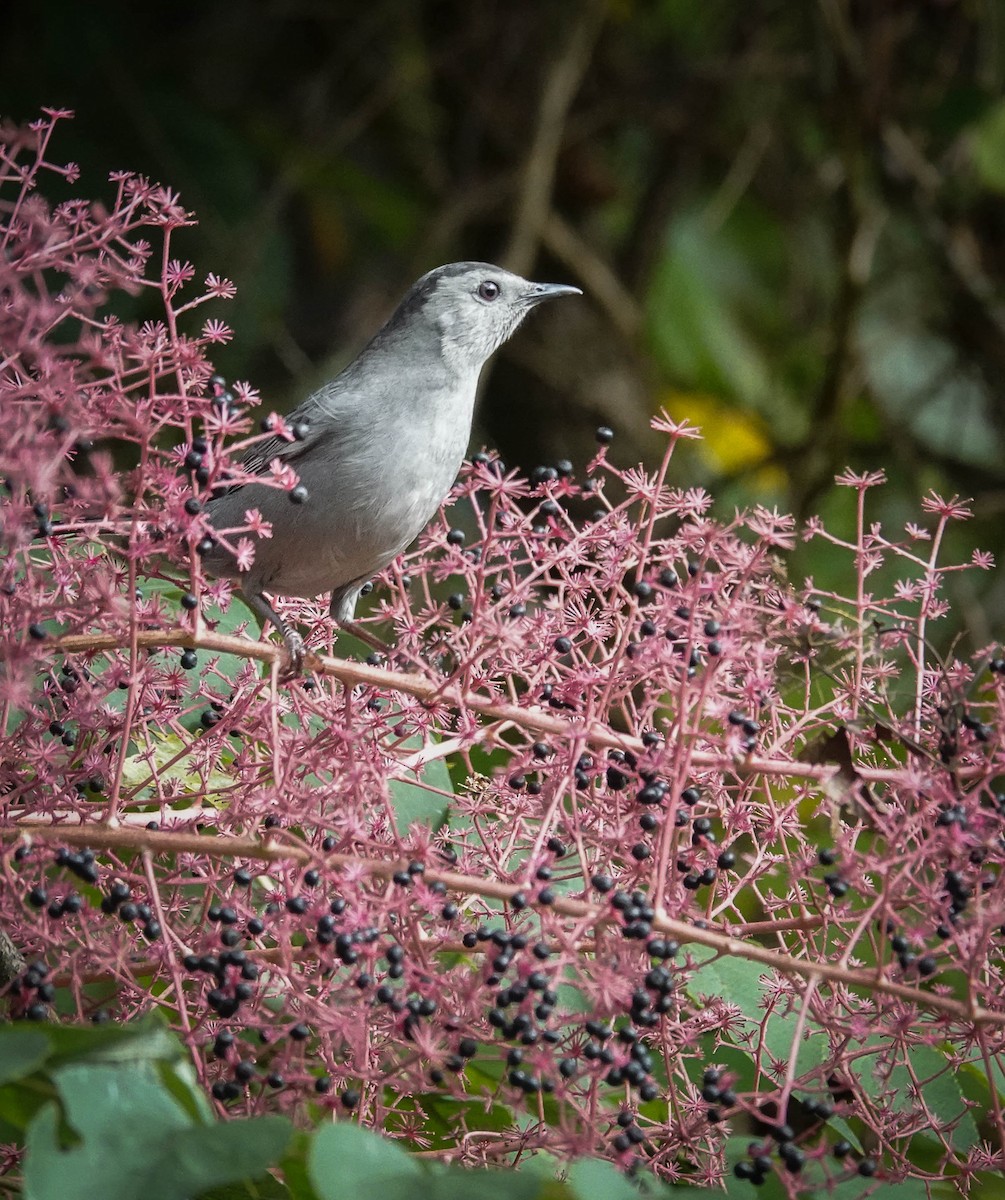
[147, 1039]
[444, 1114]
[845, 1130]
[593, 1179]
[942, 1094]
[134, 1140]
[169, 759]
[227, 1151]
[572, 997]
[180, 1082]
[976, 1071]
[937, 1083]
[345, 1162]
[738, 981]
[856, 1187]
[421, 802]
[19, 1102]
[22, 1052]
[982, 1184]
[416, 803]
[114, 1110]
[294, 1168]
[460, 1183]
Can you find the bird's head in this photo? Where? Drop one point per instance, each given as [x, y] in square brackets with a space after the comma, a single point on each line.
[472, 308]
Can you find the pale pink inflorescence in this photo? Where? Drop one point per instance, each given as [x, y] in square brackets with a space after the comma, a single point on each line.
[627, 820]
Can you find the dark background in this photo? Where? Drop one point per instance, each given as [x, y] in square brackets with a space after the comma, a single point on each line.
[789, 218]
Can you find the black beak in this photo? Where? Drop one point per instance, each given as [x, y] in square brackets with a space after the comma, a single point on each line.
[549, 291]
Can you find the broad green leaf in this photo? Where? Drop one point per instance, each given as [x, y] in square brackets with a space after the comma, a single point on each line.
[982, 1184]
[938, 1085]
[134, 1140]
[144, 1039]
[459, 1183]
[345, 1162]
[115, 1111]
[20, 1101]
[738, 981]
[22, 1052]
[181, 1083]
[419, 803]
[594, 1179]
[423, 801]
[168, 758]
[976, 1067]
[852, 1189]
[940, 1089]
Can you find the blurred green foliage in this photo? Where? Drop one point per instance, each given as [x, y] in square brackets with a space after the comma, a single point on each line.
[787, 218]
[116, 1112]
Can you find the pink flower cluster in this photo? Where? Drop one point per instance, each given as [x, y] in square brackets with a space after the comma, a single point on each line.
[628, 845]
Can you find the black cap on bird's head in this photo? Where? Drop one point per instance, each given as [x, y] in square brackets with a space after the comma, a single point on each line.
[472, 308]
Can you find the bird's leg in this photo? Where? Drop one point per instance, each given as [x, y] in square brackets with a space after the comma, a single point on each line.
[292, 640]
[343, 610]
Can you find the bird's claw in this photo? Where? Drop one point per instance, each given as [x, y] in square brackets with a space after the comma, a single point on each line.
[296, 652]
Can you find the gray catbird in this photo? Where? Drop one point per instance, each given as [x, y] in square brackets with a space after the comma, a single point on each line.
[377, 448]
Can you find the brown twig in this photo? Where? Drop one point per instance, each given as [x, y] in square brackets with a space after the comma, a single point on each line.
[108, 837]
[443, 692]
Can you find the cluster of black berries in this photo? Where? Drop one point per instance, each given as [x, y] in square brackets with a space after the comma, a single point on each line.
[636, 1071]
[562, 469]
[981, 731]
[116, 900]
[234, 976]
[246, 1071]
[629, 1134]
[758, 1164]
[952, 815]
[31, 993]
[748, 727]
[652, 796]
[67, 736]
[717, 1094]
[82, 863]
[837, 885]
[40, 511]
[951, 718]
[58, 691]
[222, 398]
[924, 964]
[532, 995]
[960, 894]
[548, 507]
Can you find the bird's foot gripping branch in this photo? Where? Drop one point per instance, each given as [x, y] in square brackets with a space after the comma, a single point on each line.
[636, 849]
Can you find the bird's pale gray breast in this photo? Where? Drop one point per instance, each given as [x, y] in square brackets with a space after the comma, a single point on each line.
[375, 470]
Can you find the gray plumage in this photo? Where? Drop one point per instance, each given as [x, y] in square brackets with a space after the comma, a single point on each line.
[384, 442]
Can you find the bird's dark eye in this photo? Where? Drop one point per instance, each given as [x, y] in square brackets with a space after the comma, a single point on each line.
[488, 289]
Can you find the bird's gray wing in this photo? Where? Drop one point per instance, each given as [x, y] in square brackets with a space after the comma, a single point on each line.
[324, 425]
[256, 460]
